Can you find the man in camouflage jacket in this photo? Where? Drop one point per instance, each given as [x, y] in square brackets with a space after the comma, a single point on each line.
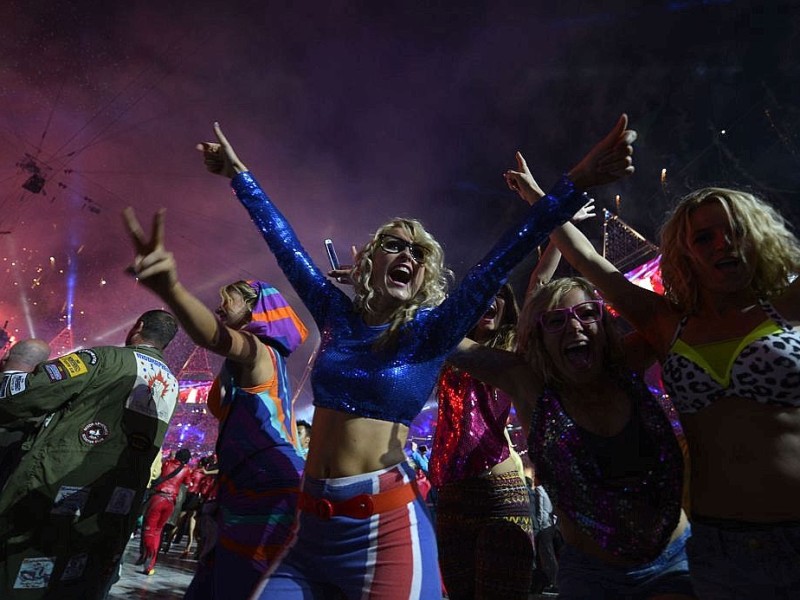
[70, 506]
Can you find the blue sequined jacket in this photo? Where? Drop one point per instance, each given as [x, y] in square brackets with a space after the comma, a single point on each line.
[350, 375]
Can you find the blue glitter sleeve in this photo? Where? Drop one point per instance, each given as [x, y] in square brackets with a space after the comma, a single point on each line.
[306, 278]
[453, 319]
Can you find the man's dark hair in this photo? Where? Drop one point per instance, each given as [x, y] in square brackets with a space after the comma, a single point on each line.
[183, 455]
[158, 327]
[304, 423]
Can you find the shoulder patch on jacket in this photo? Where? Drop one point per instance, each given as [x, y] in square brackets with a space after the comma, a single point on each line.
[91, 354]
[34, 573]
[53, 371]
[73, 364]
[94, 433]
[13, 383]
[155, 390]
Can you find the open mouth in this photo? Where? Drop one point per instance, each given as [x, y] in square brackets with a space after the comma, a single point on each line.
[401, 275]
[728, 264]
[491, 313]
[579, 354]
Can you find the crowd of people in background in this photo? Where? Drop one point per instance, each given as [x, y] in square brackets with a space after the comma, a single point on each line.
[622, 491]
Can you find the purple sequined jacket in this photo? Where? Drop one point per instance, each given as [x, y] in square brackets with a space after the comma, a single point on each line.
[633, 521]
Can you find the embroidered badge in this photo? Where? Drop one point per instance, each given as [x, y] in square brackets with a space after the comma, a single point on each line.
[53, 372]
[91, 354]
[94, 433]
[155, 390]
[13, 383]
[70, 500]
[73, 365]
[35, 573]
[17, 383]
[121, 501]
[76, 565]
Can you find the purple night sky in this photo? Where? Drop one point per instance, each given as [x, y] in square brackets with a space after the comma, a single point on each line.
[350, 113]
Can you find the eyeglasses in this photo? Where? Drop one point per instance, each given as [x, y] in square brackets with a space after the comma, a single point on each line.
[555, 320]
[394, 245]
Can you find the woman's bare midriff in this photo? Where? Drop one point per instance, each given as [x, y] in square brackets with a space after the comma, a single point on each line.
[745, 461]
[576, 538]
[344, 445]
[509, 465]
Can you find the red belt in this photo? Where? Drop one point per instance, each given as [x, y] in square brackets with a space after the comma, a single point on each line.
[362, 506]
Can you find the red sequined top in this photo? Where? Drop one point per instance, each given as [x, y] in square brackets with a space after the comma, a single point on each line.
[469, 438]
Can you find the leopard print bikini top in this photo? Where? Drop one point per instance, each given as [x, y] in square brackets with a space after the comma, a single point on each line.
[764, 367]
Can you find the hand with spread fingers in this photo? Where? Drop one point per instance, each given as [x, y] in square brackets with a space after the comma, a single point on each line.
[153, 265]
[585, 212]
[219, 156]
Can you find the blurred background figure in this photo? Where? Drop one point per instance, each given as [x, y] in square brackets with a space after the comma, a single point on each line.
[164, 495]
[303, 436]
[545, 536]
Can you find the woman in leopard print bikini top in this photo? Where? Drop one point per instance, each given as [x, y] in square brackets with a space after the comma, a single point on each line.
[730, 353]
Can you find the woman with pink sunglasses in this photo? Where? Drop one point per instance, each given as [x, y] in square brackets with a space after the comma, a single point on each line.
[604, 446]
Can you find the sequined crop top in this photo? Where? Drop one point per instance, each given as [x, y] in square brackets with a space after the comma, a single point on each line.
[764, 366]
[469, 436]
[633, 516]
[349, 375]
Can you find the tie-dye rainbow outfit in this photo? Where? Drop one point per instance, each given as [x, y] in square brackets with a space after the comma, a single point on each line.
[259, 460]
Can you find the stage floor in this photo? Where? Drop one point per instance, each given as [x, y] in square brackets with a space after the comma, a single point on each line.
[169, 582]
[171, 578]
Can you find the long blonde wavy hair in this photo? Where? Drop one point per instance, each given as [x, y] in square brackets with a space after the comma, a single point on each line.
[435, 282]
[530, 338]
[757, 226]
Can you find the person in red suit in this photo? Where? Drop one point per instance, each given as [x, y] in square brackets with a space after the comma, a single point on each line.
[174, 472]
[191, 505]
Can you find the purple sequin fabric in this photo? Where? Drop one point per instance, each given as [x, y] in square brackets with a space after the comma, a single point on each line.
[469, 437]
[632, 521]
[349, 375]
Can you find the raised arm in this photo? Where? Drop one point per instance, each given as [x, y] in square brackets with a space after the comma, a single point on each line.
[29, 395]
[220, 157]
[608, 160]
[648, 312]
[504, 370]
[156, 269]
[307, 279]
[551, 257]
[522, 182]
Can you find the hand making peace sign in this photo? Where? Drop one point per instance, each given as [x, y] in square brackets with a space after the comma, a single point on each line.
[153, 266]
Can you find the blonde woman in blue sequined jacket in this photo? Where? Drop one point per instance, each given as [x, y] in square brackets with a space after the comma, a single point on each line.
[363, 527]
